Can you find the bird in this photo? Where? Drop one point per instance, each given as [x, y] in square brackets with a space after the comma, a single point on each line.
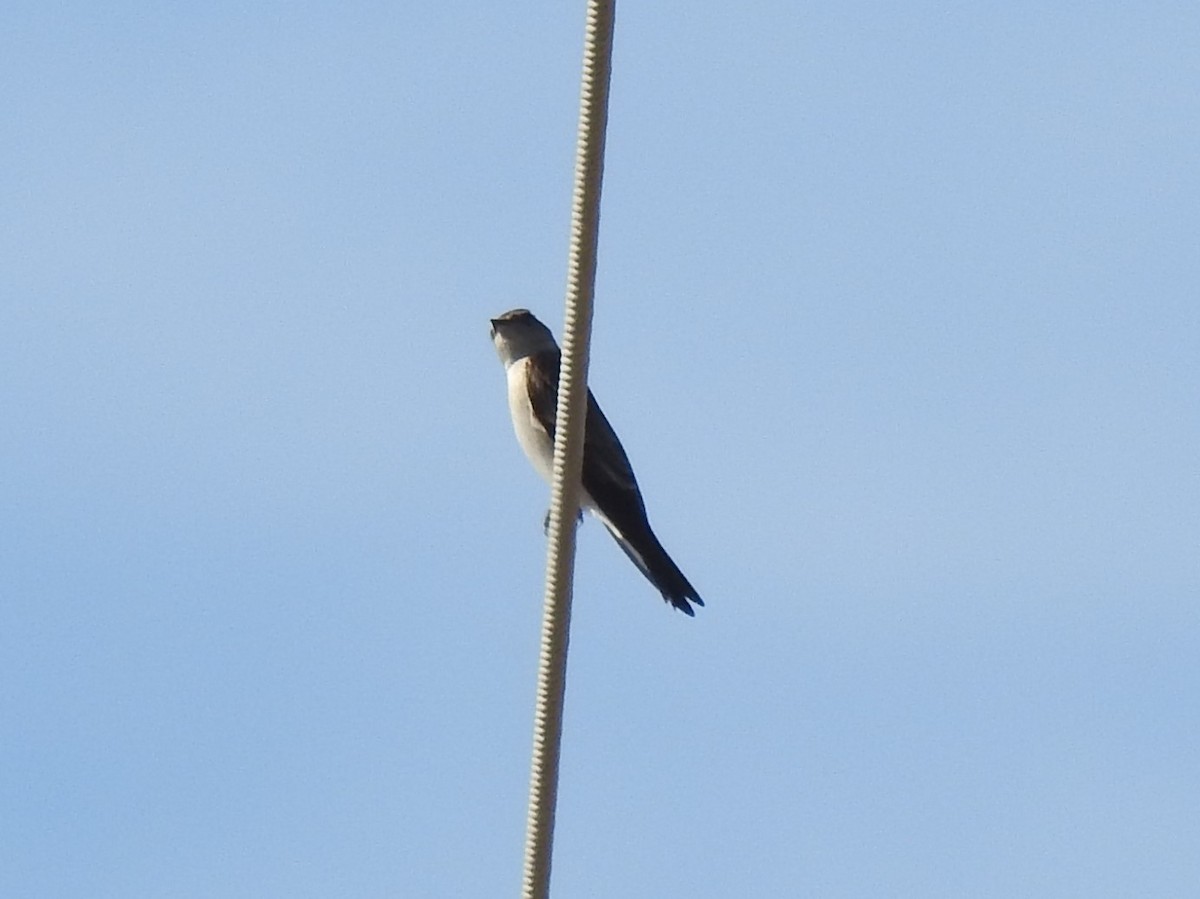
[531, 357]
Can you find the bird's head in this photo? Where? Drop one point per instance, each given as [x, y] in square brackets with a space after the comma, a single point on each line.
[517, 334]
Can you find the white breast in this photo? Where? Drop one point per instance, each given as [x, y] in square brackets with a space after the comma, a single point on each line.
[534, 440]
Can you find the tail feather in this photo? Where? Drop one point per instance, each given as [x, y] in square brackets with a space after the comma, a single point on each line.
[659, 568]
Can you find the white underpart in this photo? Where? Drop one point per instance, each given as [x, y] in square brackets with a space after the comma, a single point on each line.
[534, 440]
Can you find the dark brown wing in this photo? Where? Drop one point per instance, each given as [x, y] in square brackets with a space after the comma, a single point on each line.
[606, 468]
[609, 480]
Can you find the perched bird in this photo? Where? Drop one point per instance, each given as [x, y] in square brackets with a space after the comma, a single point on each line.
[610, 491]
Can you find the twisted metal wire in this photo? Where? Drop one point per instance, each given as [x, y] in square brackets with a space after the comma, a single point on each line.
[568, 448]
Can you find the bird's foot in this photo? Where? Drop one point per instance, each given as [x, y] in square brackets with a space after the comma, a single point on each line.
[546, 521]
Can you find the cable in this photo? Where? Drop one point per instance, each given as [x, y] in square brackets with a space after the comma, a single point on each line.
[568, 447]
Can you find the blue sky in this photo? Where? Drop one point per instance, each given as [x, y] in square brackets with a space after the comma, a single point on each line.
[898, 319]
